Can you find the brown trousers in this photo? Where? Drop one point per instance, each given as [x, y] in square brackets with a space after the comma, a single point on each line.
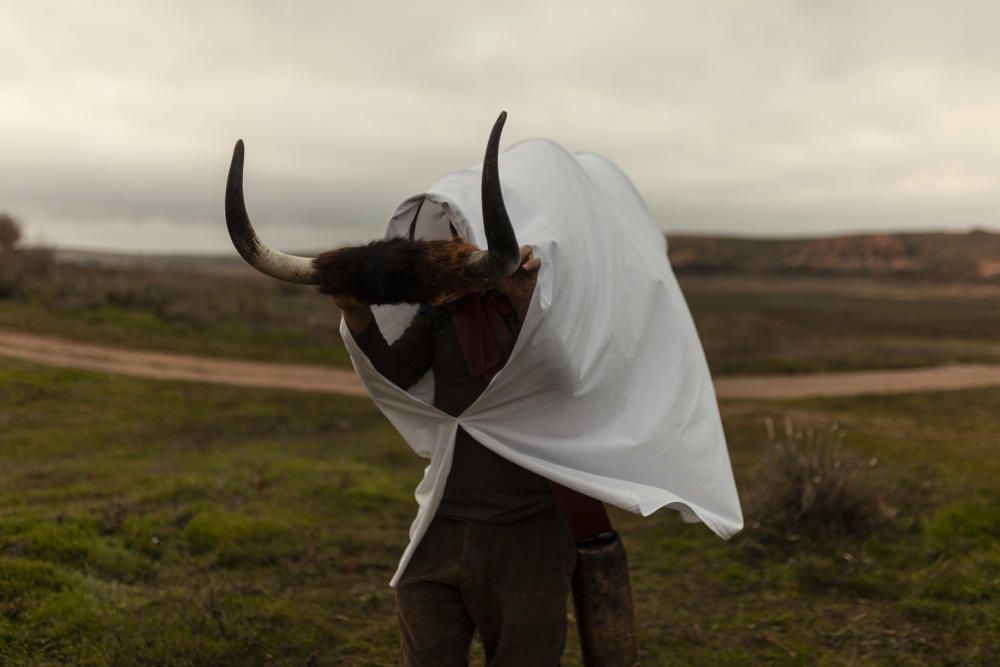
[510, 581]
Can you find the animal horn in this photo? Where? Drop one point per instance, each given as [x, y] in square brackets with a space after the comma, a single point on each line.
[503, 255]
[260, 256]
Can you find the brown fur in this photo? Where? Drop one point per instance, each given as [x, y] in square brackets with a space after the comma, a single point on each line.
[398, 270]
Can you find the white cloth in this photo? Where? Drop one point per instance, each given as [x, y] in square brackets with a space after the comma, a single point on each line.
[607, 390]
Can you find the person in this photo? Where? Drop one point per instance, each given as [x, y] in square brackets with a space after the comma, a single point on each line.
[499, 555]
[609, 396]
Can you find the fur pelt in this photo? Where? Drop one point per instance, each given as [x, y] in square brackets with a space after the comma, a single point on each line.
[398, 270]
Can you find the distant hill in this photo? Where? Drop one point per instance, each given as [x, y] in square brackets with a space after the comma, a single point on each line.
[938, 257]
[228, 264]
[972, 256]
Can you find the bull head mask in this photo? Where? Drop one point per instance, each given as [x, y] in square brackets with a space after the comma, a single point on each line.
[395, 270]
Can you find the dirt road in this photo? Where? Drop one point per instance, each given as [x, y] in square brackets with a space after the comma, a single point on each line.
[165, 366]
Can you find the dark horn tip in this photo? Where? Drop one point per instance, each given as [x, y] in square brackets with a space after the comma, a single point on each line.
[236, 171]
[493, 145]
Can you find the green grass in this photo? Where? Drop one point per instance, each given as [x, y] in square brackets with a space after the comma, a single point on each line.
[169, 524]
[784, 325]
[758, 325]
[235, 316]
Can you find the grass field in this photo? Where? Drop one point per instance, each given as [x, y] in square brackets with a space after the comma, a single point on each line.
[168, 524]
[789, 325]
[761, 325]
[236, 316]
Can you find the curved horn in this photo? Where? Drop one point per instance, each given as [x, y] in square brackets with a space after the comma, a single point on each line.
[503, 255]
[261, 257]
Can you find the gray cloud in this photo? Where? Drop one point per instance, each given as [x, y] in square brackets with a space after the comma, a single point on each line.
[118, 119]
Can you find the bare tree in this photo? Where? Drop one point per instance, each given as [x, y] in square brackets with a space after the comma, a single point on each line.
[19, 265]
[10, 232]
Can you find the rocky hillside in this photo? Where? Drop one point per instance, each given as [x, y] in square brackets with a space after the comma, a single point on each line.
[973, 256]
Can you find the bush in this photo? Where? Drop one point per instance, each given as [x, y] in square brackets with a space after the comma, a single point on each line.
[19, 265]
[10, 232]
[11, 275]
[808, 487]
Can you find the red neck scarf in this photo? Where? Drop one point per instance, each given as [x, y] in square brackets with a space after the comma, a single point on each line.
[483, 335]
[487, 343]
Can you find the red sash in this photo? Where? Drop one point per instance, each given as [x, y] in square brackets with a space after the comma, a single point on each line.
[483, 335]
[486, 343]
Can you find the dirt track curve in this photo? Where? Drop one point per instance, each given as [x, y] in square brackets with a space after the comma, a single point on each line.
[164, 366]
[167, 366]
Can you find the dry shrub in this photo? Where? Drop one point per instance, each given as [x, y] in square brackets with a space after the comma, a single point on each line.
[808, 487]
[10, 232]
[10, 273]
[19, 265]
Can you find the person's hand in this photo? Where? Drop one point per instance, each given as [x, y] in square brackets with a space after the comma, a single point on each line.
[347, 302]
[520, 285]
[357, 314]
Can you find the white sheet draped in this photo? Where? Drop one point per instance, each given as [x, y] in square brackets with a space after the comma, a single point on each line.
[607, 390]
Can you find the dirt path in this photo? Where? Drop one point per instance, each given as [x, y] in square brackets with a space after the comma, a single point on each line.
[165, 366]
[937, 378]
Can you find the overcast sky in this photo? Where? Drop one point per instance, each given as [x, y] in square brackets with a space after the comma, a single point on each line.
[117, 119]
